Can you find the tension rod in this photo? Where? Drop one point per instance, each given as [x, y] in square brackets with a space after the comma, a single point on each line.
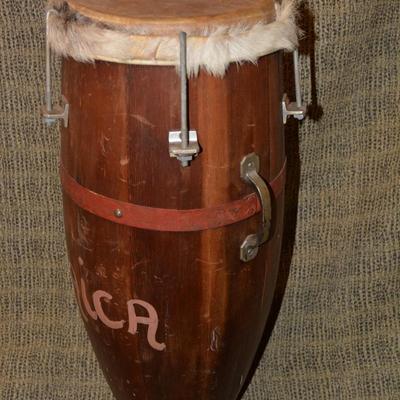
[183, 144]
[51, 113]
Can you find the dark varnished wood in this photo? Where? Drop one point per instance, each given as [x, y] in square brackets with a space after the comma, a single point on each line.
[212, 308]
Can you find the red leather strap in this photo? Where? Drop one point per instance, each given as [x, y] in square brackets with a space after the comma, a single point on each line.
[166, 220]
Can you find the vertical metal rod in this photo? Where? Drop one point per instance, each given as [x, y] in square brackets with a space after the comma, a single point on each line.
[184, 90]
[48, 66]
[299, 101]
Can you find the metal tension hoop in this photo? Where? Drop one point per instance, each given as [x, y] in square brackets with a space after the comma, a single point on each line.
[297, 110]
[183, 144]
[249, 169]
[49, 112]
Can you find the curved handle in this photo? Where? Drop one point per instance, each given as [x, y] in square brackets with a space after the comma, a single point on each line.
[249, 169]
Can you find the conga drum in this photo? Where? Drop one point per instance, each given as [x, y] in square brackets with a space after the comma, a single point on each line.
[173, 172]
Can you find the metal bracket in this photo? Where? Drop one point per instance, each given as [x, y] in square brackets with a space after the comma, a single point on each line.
[183, 144]
[294, 109]
[56, 112]
[183, 154]
[50, 113]
[249, 169]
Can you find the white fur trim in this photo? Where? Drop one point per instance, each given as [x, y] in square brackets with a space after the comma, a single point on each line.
[77, 36]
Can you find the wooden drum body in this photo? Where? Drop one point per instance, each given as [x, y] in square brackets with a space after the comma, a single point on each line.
[173, 309]
[200, 312]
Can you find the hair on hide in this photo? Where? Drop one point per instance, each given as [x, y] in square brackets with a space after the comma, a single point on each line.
[74, 35]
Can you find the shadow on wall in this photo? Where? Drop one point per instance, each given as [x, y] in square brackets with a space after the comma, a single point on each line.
[314, 112]
[307, 48]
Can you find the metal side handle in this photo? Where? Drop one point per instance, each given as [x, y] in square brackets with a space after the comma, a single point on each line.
[249, 172]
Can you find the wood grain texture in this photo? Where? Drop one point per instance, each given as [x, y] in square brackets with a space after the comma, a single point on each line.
[176, 14]
[212, 308]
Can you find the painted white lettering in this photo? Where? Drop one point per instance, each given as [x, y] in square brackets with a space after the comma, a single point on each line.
[97, 296]
[92, 314]
[78, 294]
[151, 321]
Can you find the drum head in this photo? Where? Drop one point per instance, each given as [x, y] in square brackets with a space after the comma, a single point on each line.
[174, 13]
[147, 31]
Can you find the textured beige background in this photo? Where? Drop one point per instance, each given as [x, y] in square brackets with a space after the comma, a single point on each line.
[338, 332]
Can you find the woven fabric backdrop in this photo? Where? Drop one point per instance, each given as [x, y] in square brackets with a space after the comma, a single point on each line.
[338, 332]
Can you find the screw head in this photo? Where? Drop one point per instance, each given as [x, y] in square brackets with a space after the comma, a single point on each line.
[249, 164]
[249, 248]
[118, 213]
[251, 253]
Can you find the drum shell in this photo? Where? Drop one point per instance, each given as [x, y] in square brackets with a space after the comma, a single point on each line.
[212, 308]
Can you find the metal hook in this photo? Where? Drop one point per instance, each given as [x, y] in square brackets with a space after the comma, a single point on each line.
[50, 113]
[289, 109]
